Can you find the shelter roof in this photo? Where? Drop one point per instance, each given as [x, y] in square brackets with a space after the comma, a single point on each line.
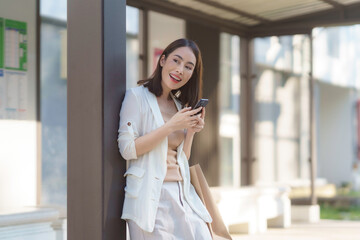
[256, 18]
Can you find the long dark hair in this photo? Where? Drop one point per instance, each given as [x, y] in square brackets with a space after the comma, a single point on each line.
[191, 92]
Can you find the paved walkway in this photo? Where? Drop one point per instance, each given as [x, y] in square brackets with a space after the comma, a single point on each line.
[324, 230]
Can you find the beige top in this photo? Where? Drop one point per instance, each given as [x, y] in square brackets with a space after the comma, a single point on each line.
[173, 170]
[174, 140]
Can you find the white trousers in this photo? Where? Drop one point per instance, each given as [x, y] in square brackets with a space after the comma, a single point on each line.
[175, 220]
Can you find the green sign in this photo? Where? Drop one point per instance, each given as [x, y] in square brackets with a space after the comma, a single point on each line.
[16, 45]
[2, 43]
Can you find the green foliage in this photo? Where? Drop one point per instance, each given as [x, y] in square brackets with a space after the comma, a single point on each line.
[349, 193]
[339, 213]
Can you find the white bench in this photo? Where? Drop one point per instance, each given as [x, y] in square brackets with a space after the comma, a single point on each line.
[237, 207]
[31, 223]
[252, 209]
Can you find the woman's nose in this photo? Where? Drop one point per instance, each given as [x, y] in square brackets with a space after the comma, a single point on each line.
[180, 69]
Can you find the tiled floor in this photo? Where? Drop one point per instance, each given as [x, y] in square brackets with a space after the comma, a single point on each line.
[324, 230]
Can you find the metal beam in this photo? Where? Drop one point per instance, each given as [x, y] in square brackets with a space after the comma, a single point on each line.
[336, 5]
[247, 110]
[339, 15]
[236, 11]
[312, 143]
[190, 14]
[333, 3]
[53, 21]
[279, 31]
[305, 23]
[330, 16]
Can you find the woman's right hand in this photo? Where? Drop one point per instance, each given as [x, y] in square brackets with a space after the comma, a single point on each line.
[184, 118]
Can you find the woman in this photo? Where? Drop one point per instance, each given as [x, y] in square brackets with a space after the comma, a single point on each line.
[157, 127]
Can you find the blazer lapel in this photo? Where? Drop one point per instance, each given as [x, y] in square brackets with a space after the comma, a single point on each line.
[180, 147]
[151, 98]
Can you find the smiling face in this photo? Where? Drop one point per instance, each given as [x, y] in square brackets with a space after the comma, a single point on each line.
[177, 68]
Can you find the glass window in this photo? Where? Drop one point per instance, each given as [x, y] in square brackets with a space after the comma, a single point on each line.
[280, 52]
[133, 61]
[163, 29]
[229, 99]
[333, 36]
[132, 20]
[337, 55]
[226, 165]
[54, 9]
[53, 102]
[281, 121]
[53, 113]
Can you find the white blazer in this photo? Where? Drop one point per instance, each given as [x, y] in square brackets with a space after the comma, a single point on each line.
[139, 115]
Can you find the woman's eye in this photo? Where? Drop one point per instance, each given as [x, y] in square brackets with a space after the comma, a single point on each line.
[188, 68]
[175, 60]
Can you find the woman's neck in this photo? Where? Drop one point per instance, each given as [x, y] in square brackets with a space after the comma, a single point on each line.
[165, 97]
[165, 94]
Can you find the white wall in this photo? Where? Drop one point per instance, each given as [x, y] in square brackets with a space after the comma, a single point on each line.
[18, 143]
[335, 133]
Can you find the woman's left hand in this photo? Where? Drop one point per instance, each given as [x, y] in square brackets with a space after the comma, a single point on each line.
[200, 124]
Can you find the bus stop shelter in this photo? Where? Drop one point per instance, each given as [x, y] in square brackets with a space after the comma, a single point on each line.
[97, 80]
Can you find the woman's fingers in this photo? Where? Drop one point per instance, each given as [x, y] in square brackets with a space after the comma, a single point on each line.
[197, 128]
[194, 121]
[198, 125]
[203, 113]
[187, 118]
[195, 117]
[194, 111]
[185, 109]
[201, 121]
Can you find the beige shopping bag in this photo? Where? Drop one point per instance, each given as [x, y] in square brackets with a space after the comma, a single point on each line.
[217, 228]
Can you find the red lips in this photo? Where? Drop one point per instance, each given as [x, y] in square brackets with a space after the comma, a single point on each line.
[175, 78]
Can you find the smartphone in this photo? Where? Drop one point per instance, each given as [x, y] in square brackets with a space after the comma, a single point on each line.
[201, 103]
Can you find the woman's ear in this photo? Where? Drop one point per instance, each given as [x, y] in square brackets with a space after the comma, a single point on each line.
[162, 60]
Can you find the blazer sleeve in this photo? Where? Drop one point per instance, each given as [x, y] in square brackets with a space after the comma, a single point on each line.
[130, 121]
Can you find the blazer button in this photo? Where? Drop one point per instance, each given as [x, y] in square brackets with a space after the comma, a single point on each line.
[129, 123]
